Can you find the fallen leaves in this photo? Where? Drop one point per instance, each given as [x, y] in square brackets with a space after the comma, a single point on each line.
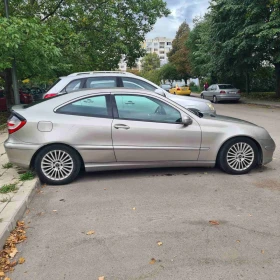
[159, 243]
[262, 251]
[134, 208]
[90, 232]
[101, 278]
[9, 251]
[21, 260]
[152, 261]
[214, 223]
[54, 210]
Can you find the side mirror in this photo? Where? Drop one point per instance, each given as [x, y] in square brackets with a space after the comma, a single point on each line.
[160, 92]
[186, 120]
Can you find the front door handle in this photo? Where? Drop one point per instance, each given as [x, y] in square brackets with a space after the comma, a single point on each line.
[121, 126]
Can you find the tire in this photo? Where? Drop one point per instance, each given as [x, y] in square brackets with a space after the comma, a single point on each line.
[215, 99]
[231, 160]
[67, 168]
[202, 96]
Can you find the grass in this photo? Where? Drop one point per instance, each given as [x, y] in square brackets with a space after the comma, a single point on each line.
[29, 175]
[8, 188]
[7, 165]
[264, 96]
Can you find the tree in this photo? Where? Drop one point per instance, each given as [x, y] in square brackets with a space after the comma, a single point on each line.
[179, 52]
[150, 62]
[199, 47]
[169, 72]
[90, 34]
[152, 75]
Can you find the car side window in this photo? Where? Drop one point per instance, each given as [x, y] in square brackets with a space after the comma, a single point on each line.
[137, 84]
[214, 87]
[95, 106]
[74, 85]
[143, 108]
[101, 82]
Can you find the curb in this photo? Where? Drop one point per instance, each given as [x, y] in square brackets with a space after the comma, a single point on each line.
[21, 201]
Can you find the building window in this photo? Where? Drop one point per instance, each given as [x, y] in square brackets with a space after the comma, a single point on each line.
[169, 43]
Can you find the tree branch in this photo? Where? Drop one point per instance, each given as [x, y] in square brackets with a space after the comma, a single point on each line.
[53, 12]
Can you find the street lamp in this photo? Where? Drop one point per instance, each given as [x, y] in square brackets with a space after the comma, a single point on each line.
[14, 72]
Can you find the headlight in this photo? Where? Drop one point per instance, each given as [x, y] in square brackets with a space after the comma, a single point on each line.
[210, 105]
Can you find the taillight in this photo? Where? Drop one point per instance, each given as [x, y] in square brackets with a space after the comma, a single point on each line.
[239, 92]
[49, 95]
[222, 92]
[15, 122]
[178, 88]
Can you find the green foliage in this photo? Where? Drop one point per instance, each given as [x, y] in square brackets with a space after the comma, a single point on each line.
[7, 165]
[29, 175]
[169, 72]
[178, 55]
[150, 62]
[267, 96]
[152, 75]
[8, 188]
[235, 40]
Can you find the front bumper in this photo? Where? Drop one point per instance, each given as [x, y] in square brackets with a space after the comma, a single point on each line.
[20, 154]
[268, 147]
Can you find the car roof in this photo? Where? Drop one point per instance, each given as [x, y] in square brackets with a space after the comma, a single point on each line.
[98, 74]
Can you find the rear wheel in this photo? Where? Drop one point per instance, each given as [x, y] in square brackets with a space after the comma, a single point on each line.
[57, 164]
[238, 156]
[215, 100]
[202, 96]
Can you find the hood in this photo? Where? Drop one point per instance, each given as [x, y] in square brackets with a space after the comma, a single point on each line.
[190, 100]
[229, 119]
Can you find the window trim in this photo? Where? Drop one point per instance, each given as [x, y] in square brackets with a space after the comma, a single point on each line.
[108, 98]
[116, 112]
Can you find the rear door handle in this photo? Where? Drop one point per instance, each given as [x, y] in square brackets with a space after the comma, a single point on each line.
[121, 126]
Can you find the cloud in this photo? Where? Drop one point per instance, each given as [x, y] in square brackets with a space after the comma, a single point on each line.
[181, 10]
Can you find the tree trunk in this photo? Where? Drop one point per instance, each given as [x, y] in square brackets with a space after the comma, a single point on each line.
[9, 88]
[277, 72]
[247, 83]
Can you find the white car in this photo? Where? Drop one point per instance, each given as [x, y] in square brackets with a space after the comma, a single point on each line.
[117, 79]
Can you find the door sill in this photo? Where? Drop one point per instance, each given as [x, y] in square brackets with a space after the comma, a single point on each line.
[149, 164]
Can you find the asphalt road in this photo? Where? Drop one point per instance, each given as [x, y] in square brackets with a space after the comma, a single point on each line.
[131, 211]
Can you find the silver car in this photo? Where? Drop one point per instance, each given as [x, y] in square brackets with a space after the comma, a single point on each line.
[125, 129]
[112, 79]
[221, 92]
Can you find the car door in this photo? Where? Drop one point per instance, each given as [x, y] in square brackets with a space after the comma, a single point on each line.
[87, 125]
[208, 93]
[147, 129]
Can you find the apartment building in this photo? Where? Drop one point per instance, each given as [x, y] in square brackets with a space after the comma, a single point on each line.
[159, 45]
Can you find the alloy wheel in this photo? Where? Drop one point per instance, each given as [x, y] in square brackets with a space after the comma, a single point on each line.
[57, 165]
[240, 156]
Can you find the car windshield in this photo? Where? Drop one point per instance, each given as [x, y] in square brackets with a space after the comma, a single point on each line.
[226, 87]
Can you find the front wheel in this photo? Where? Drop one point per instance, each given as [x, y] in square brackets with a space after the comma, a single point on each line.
[238, 156]
[215, 100]
[57, 164]
[202, 96]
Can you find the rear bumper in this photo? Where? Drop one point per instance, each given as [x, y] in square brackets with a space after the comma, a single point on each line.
[228, 98]
[268, 147]
[20, 154]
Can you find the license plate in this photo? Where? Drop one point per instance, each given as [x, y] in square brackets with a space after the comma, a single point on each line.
[232, 92]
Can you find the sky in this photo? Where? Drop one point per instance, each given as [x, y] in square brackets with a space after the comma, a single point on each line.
[181, 10]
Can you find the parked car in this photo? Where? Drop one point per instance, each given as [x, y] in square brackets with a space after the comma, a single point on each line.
[108, 129]
[166, 87]
[3, 101]
[180, 89]
[25, 96]
[113, 79]
[37, 93]
[221, 92]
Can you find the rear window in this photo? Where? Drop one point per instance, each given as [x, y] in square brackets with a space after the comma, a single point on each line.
[226, 87]
[40, 101]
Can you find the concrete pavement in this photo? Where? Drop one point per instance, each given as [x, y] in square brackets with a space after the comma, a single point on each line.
[130, 211]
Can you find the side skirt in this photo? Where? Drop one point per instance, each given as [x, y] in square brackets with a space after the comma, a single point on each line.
[139, 165]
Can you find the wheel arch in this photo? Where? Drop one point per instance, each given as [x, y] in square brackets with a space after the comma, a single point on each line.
[52, 144]
[260, 152]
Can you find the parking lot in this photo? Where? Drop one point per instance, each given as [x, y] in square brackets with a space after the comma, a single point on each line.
[154, 224]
